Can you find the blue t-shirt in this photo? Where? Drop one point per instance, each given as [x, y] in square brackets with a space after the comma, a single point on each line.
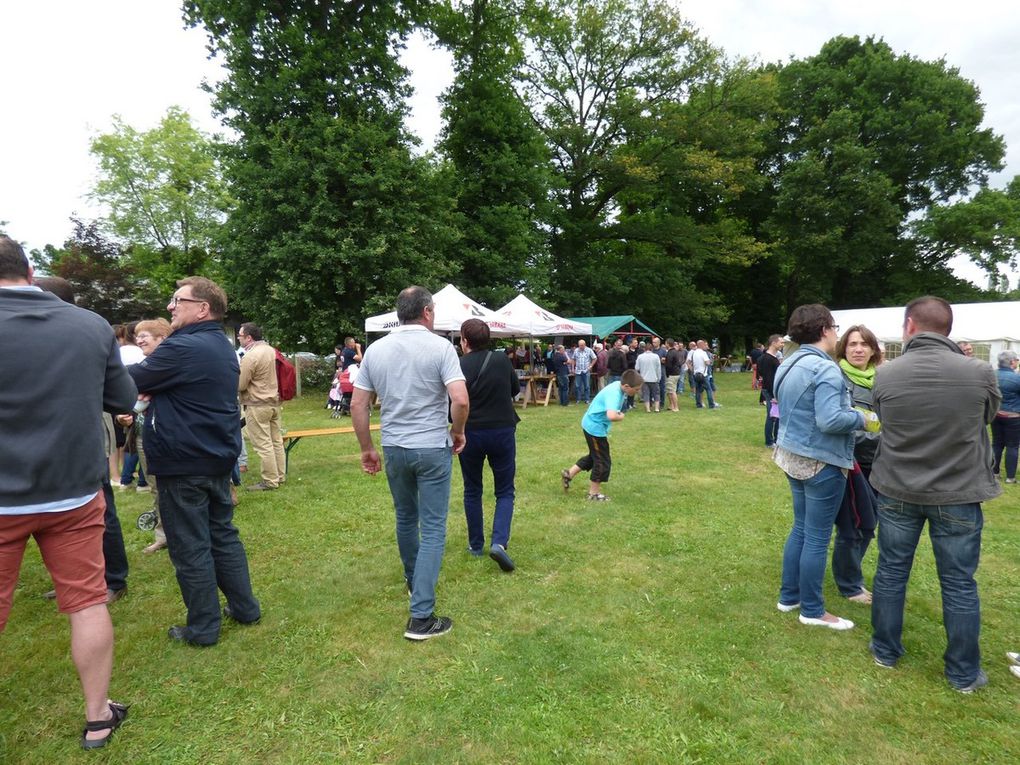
[609, 399]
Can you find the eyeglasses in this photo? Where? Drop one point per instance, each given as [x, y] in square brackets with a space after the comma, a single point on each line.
[834, 328]
[143, 336]
[175, 300]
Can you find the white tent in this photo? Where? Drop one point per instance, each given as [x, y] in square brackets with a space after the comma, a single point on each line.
[453, 308]
[540, 322]
[996, 325]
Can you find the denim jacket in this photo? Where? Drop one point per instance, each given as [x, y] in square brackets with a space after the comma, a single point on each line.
[815, 418]
[1009, 386]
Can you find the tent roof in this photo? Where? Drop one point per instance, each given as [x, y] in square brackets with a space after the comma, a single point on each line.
[523, 311]
[602, 326]
[453, 308]
[976, 322]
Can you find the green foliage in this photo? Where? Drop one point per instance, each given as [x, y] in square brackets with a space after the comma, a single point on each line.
[102, 278]
[642, 630]
[166, 196]
[333, 214]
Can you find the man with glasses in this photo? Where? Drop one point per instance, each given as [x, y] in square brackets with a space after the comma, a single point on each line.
[192, 439]
[419, 381]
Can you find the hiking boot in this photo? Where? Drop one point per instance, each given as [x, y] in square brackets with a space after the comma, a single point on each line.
[429, 627]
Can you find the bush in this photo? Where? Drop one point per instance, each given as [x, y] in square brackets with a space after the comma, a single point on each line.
[316, 374]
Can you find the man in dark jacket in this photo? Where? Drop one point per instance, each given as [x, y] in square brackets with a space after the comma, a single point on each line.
[934, 465]
[60, 369]
[192, 439]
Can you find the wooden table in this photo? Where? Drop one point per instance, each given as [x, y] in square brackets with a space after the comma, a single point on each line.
[531, 395]
[291, 438]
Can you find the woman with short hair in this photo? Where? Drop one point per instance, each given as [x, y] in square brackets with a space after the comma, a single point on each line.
[1006, 425]
[815, 449]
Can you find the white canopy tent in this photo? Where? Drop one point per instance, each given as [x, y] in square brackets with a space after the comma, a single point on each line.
[995, 325]
[522, 311]
[453, 308]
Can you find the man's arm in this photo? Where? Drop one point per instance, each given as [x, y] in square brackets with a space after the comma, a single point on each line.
[247, 365]
[361, 404]
[457, 391]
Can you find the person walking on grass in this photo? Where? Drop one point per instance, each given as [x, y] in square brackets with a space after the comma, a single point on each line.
[606, 409]
[61, 368]
[419, 381]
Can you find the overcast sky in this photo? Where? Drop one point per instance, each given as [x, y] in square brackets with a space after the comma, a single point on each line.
[67, 66]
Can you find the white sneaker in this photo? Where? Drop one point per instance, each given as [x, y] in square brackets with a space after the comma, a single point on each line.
[787, 608]
[1014, 658]
[839, 624]
[1015, 670]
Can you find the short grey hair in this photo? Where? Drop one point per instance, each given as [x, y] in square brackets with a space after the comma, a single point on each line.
[1006, 358]
[411, 303]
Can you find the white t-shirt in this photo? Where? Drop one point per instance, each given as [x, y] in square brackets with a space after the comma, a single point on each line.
[700, 362]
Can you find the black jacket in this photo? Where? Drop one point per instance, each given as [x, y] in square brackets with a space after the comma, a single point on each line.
[60, 369]
[193, 426]
[491, 392]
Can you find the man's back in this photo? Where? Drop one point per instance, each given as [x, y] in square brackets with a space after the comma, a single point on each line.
[934, 404]
[60, 367]
[649, 366]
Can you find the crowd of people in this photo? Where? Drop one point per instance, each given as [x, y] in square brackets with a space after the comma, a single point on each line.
[863, 444]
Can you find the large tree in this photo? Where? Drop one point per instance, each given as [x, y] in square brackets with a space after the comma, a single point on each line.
[498, 160]
[165, 194]
[334, 216]
[868, 140]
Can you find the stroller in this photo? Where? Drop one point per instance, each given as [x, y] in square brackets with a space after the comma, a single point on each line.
[340, 391]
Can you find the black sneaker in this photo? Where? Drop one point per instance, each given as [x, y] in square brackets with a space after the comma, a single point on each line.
[429, 627]
[498, 554]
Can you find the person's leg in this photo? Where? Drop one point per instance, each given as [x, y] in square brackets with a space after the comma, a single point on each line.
[14, 533]
[399, 466]
[563, 387]
[502, 449]
[127, 474]
[709, 391]
[472, 461]
[789, 588]
[185, 502]
[276, 436]
[646, 396]
[847, 554]
[955, 532]
[258, 426]
[229, 557]
[998, 442]
[699, 386]
[899, 528]
[92, 653]
[656, 397]
[598, 450]
[113, 544]
[662, 387]
[432, 471]
[1012, 439]
[822, 496]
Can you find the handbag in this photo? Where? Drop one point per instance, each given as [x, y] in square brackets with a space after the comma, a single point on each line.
[774, 409]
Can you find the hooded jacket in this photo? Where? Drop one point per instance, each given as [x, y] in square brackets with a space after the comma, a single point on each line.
[193, 425]
[935, 405]
[60, 369]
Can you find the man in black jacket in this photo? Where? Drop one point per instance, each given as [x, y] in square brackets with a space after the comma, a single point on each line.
[60, 369]
[192, 440]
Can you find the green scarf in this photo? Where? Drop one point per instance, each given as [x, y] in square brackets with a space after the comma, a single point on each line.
[862, 377]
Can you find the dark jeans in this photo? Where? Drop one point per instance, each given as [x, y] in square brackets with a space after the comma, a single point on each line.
[706, 386]
[563, 385]
[955, 532]
[847, 555]
[771, 423]
[206, 551]
[1006, 436]
[499, 445]
[113, 544]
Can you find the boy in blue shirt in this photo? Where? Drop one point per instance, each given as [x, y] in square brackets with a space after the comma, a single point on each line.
[605, 409]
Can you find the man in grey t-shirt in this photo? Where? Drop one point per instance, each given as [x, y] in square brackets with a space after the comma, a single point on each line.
[418, 379]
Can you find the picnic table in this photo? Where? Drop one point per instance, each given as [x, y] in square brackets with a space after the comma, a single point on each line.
[292, 437]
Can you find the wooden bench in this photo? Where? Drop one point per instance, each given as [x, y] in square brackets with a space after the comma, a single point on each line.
[291, 438]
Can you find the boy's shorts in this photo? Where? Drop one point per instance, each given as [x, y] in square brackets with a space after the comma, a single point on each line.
[597, 460]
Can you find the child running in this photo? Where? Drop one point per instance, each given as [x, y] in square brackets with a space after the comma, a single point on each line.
[605, 409]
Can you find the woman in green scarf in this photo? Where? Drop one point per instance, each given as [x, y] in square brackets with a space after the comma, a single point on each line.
[858, 353]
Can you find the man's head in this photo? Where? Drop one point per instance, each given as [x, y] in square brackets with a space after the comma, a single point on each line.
[196, 299]
[560, 349]
[1008, 360]
[618, 343]
[415, 306]
[349, 342]
[631, 382]
[670, 342]
[14, 266]
[475, 334]
[57, 285]
[967, 348]
[775, 342]
[703, 345]
[597, 347]
[927, 314]
[248, 334]
[634, 343]
[581, 345]
[656, 342]
[692, 345]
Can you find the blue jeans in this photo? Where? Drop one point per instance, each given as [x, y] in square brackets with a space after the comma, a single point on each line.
[131, 463]
[420, 485]
[206, 550]
[662, 386]
[815, 504]
[500, 446]
[955, 532]
[563, 385]
[1006, 437]
[704, 385]
[771, 423]
[583, 382]
[113, 544]
[847, 555]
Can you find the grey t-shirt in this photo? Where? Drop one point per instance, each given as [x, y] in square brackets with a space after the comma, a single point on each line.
[409, 369]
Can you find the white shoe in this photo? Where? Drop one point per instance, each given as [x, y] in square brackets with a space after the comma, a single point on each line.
[787, 608]
[1015, 670]
[839, 624]
[1014, 658]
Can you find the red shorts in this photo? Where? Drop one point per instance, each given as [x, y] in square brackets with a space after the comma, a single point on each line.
[71, 544]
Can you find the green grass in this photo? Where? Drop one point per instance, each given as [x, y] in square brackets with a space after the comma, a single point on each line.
[642, 630]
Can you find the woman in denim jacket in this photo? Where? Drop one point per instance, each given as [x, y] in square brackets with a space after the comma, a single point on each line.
[815, 449]
[1006, 426]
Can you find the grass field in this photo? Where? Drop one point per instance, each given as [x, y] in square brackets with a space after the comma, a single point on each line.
[642, 630]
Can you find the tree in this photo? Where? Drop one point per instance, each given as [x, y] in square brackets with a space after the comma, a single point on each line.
[334, 216]
[498, 160]
[868, 140]
[102, 279]
[166, 196]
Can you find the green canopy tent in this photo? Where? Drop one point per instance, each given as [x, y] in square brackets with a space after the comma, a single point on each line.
[603, 326]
